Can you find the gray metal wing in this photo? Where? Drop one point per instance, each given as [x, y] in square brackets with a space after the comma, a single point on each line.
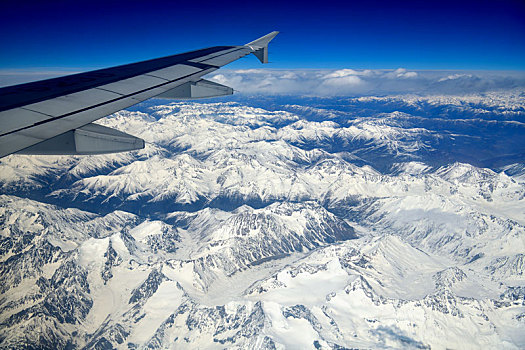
[54, 116]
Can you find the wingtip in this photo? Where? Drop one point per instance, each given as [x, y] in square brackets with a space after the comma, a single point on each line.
[263, 40]
[259, 46]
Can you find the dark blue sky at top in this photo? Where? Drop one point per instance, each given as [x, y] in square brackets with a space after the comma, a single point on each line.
[81, 35]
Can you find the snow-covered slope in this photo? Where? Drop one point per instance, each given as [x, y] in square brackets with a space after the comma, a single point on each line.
[243, 227]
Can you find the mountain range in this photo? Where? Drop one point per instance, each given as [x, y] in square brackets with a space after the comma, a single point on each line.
[271, 223]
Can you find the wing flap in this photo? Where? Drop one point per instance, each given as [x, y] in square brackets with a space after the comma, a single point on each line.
[88, 139]
[18, 118]
[70, 103]
[175, 72]
[194, 90]
[14, 142]
[132, 85]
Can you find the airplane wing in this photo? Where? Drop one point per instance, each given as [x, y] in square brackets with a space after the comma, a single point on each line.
[55, 116]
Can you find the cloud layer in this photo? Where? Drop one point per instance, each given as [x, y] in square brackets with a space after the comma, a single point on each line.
[367, 82]
[341, 82]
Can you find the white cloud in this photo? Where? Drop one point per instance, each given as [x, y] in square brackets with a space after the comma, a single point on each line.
[410, 75]
[353, 82]
[400, 73]
[339, 85]
[341, 81]
[455, 76]
[254, 71]
[349, 72]
[231, 80]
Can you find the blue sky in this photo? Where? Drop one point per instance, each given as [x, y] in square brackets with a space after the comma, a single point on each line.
[81, 35]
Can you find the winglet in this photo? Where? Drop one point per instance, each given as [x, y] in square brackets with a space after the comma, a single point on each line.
[260, 46]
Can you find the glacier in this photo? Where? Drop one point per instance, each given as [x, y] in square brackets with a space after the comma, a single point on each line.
[275, 223]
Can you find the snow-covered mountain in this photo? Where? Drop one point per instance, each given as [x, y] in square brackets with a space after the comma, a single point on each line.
[356, 225]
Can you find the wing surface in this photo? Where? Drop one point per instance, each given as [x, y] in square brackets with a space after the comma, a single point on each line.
[54, 116]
